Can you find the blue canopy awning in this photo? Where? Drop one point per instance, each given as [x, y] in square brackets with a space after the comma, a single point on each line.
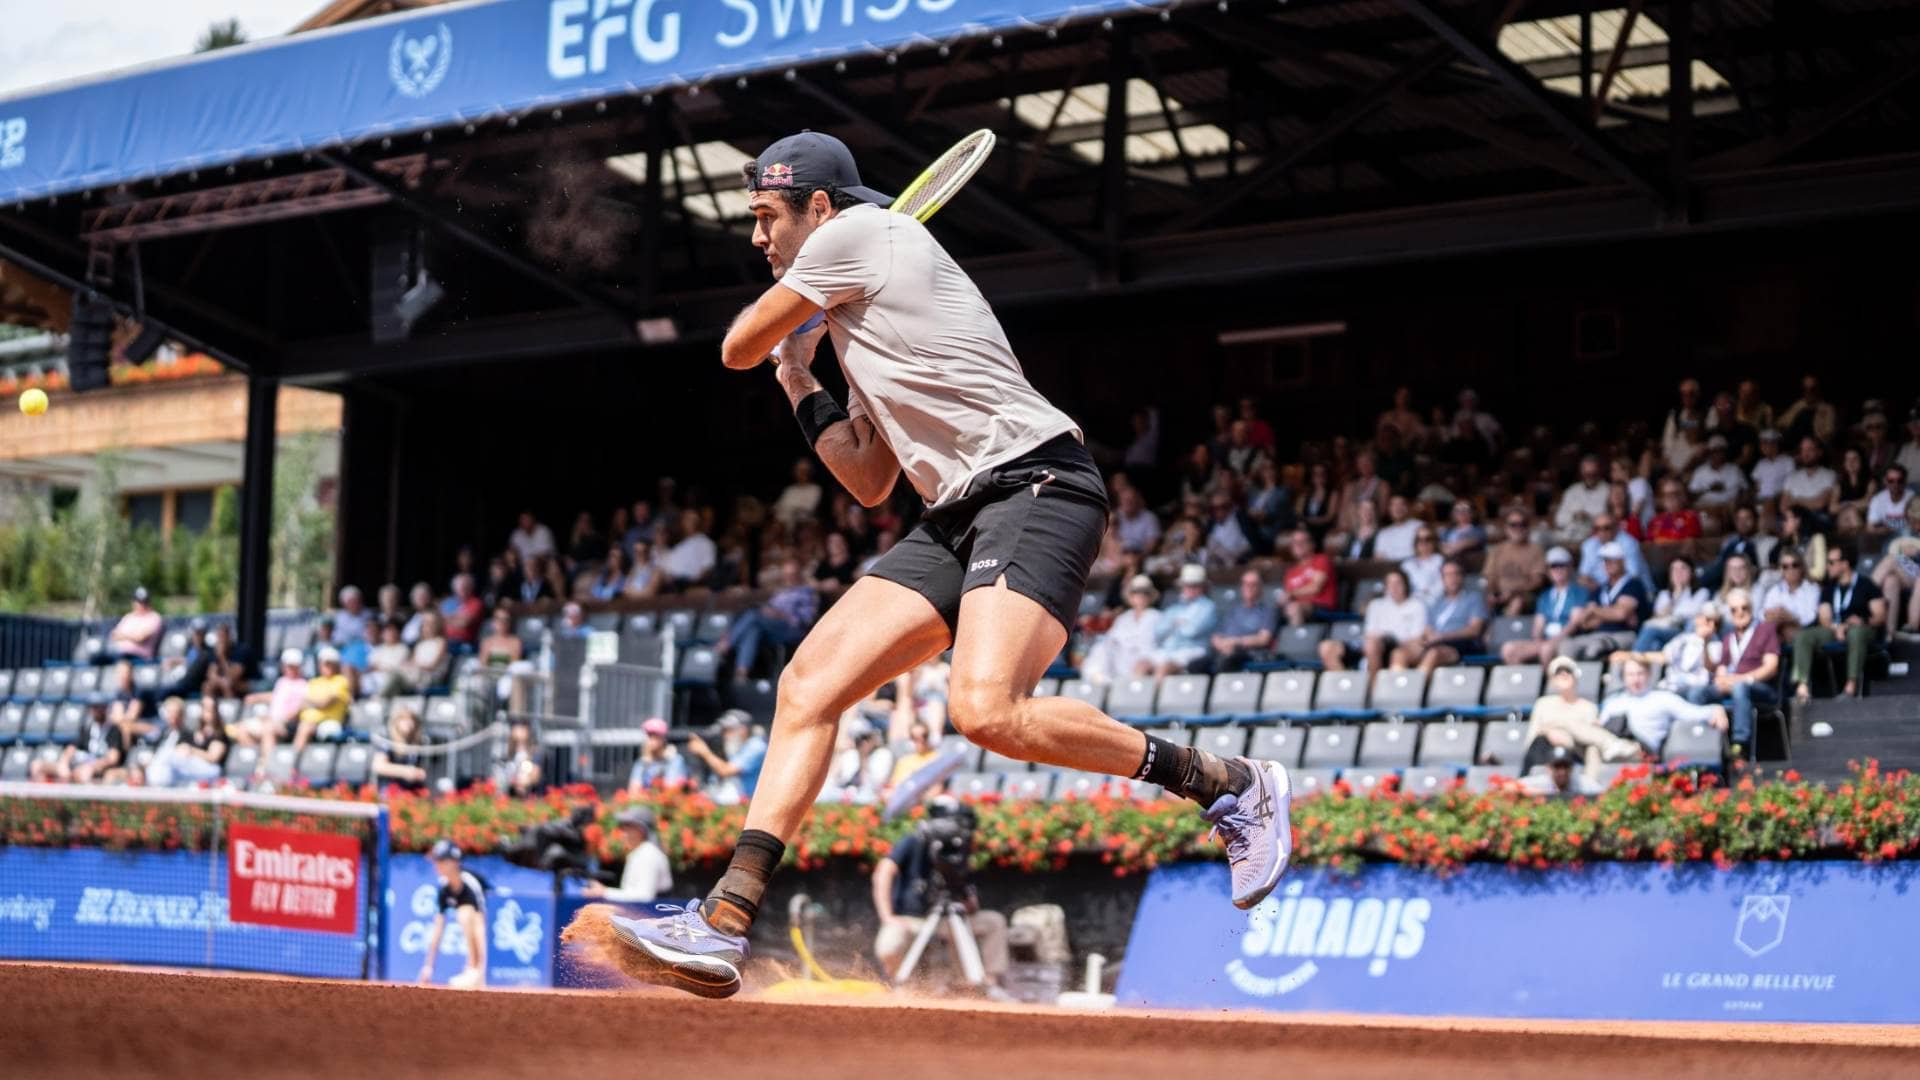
[447, 65]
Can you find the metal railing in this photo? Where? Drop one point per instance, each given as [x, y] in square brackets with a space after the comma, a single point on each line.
[30, 641]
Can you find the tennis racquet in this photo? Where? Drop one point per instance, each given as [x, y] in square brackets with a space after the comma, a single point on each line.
[943, 179]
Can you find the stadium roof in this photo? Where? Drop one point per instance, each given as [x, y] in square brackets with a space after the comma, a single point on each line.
[1254, 138]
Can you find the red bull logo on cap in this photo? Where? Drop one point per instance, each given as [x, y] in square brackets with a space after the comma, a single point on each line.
[776, 175]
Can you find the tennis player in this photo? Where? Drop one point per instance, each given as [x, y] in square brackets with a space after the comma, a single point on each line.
[995, 569]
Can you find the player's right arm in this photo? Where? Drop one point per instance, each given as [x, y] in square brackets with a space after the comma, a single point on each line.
[433, 946]
[851, 446]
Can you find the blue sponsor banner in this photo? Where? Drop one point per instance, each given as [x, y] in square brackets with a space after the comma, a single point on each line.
[449, 65]
[167, 908]
[521, 930]
[1822, 941]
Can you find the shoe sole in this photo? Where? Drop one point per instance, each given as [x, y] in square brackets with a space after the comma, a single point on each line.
[1275, 774]
[705, 976]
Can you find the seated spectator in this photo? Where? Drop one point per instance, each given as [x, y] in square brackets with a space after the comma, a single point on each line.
[1144, 451]
[1770, 472]
[1688, 657]
[1312, 591]
[645, 875]
[1456, 624]
[1606, 530]
[1741, 437]
[1717, 483]
[1793, 601]
[659, 764]
[426, 665]
[185, 756]
[385, 660]
[1909, 454]
[1887, 511]
[1675, 521]
[137, 635]
[610, 582]
[1481, 421]
[1396, 538]
[784, 620]
[397, 759]
[729, 571]
[1259, 432]
[502, 584]
[98, 756]
[572, 624]
[1403, 419]
[1138, 528]
[860, 770]
[1423, 568]
[836, 568]
[1810, 415]
[1555, 612]
[1364, 488]
[1739, 575]
[324, 711]
[1750, 408]
[462, 613]
[644, 576]
[517, 770]
[1318, 504]
[800, 499]
[1690, 411]
[1179, 545]
[921, 753]
[1464, 447]
[1185, 626]
[1392, 619]
[1229, 533]
[1463, 535]
[387, 606]
[1744, 668]
[1673, 609]
[1269, 506]
[284, 702]
[1876, 447]
[1245, 632]
[1239, 453]
[584, 543]
[1562, 719]
[1620, 509]
[1516, 568]
[420, 601]
[1127, 647]
[743, 752]
[1559, 781]
[1358, 544]
[125, 705]
[1812, 487]
[1612, 620]
[692, 556]
[1649, 714]
[1583, 501]
[1854, 488]
[530, 539]
[351, 619]
[1743, 542]
[535, 585]
[1851, 611]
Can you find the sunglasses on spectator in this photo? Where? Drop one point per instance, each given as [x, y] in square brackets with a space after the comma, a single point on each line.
[1516, 523]
[1428, 537]
[1738, 607]
[1790, 564]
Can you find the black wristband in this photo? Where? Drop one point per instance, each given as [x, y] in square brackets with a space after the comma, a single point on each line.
[817, 412]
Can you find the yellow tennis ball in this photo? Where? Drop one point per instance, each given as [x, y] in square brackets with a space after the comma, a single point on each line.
[33, 402]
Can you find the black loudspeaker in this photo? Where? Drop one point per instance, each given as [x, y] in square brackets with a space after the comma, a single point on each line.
[89, 343]
[403, 290]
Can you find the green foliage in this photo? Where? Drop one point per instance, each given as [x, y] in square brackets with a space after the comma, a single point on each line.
[221, 34]
[302, 544]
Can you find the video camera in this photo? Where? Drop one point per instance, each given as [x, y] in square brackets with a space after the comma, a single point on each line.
[948, 834]
[555, 846]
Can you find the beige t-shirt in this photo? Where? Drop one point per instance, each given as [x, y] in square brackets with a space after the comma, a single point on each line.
[923, 354]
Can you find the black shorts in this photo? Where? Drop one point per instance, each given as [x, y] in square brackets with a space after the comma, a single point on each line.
[1038, 520]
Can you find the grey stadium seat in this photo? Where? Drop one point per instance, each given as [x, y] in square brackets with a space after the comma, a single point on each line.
[1141, 791]
[1131, 697]
[1399, 692]
[1312, 781]
[1348, 632]
[1428, 779]
[682, 623]
[1504, 740]
[972, 753]
[1281, 743]
[84, 683]
[1513, 687]
[1288, 692]
[1178, 736]
[1182, 695]
[1031, 785]
[1234, 694]
[1387, 744]
[6, 685]
[1341, 693]
[316, 764]
[1454, 690]
[1001, 763]
[699, 666]
[280, 767]
[1300, 644]
[714, 626]
[1509, 628]
[13, 716]
[1085, 690]
[38, 727]
[1087, 785]
[241, 761]
[1223, 741]
[68, 720]
[975, 784]
[17, 764]
[26, 684]
[1331, 746]
[1364, 780]
[1590, 672]
[1367, 590]
[146, 676]
[1694, 741]
[608, 621]
[642, 625]
[1481, 777]
[353, 764]
[53, 684]
[1448, 743]
[1046, 688]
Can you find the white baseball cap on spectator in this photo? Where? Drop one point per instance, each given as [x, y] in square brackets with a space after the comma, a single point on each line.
[1141, 583]
[329, 655]
[1717, 442]
[1193, 574]
[1559, 557]
[292, 658]
[1611, 551]
[1560, 664]
[1770, 435]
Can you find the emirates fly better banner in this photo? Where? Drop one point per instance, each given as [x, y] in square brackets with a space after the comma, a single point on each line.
[293, 879]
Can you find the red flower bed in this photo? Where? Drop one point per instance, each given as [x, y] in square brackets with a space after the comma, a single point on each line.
[1672, 818]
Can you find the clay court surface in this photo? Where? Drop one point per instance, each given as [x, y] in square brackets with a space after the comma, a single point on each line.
[107, 1022]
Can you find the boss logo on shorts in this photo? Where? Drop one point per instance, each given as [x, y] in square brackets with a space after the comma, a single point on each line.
[982, 564]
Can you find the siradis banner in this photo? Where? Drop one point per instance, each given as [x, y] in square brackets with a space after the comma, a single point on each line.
[1804, 941]
[293, 879]
[454, 64]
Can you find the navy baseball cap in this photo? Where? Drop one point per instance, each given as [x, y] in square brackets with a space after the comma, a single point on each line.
[444, 849]
[806, 161]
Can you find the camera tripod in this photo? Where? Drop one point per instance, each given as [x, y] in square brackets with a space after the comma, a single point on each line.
[965, 949]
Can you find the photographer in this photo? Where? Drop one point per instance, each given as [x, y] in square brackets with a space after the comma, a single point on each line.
[647, 875]
[927, 867]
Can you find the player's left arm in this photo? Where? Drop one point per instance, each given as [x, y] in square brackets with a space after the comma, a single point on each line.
[763, 324]
[849, 446]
